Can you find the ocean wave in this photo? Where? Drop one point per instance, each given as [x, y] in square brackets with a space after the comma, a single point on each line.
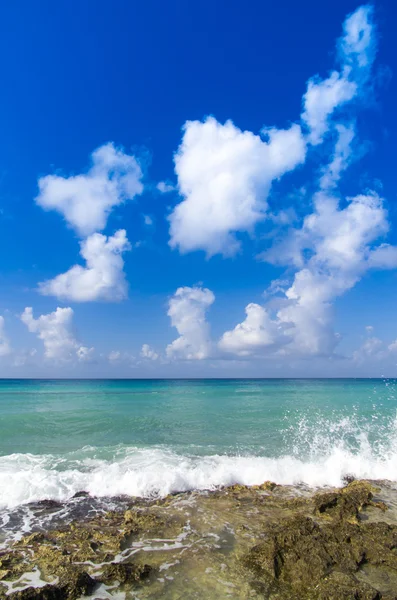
[150, 472]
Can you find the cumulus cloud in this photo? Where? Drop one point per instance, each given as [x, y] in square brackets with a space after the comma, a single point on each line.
[165, 187]
[374, 349]
[224, 176]
[384, 257]
[114, 356]
[148, 352]
[256, 332]
[5, 347]
[86, 200]
[101, 279]
[334, 248]
[356, 50]
[187, 310]
[340, 243]
[55, 331]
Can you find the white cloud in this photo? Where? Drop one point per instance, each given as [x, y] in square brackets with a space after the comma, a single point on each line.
[5, 347]
[383, 257]
[187, 310]
[164, 187]
[55, 331]
[114, 356]
[147, 219]
[86, 200]
[26, 357]
[340, 160]
[255, 333]
[372, 348]
[356, 53]
[276, 286]
[148, 352]
[320, 101]
[85, 354]
[124, 358]
[357, 45]
[393, 346]
[224, 175]
[339, 242]
[101, 279]
[333, 250]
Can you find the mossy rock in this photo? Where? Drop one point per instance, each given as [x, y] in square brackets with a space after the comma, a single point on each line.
[71, 585]
[124, 573]
[300, 556]
[347, 503]
[266, 486]
[137, 521]
[340, 586]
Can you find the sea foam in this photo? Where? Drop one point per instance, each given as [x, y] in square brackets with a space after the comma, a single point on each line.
[158, 471]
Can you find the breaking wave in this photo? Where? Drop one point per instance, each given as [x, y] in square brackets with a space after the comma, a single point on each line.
[319, 456]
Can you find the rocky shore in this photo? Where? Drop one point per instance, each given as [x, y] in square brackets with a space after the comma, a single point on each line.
[268, 541]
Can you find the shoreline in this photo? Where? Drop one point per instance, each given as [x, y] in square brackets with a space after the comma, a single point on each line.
[264, 541]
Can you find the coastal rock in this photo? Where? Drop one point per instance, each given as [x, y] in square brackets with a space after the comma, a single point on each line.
[267, 542]
[72, 584]
[301, 558]
[340, 586]
[124, 573]
[348, 502]
[140, 521]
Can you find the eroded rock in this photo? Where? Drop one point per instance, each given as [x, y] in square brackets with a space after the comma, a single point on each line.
[348, 502]
[266, 542]
[124, 573]
[314, 560]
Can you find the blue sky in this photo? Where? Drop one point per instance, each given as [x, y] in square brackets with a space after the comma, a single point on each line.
[228, 175]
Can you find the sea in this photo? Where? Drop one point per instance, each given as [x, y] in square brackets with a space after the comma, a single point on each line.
[150, 438]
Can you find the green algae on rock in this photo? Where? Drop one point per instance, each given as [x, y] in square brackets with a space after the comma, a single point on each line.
[264, 542]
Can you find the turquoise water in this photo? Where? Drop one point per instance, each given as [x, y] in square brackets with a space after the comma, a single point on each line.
[154, 437]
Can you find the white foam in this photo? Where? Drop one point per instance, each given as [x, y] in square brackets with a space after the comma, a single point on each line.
[318, 452]
[28, 579]
[151, 472]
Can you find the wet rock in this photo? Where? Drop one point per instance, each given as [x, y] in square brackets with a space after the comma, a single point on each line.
[348, 502]
[266, 486]
[49, 504]
[47, 592]
[140, 521]
[33, 538]
[71, 585]
[81, 495]
[299, 556]
[348, 479]
[339, 586]
[277, 542]
[124, 573]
